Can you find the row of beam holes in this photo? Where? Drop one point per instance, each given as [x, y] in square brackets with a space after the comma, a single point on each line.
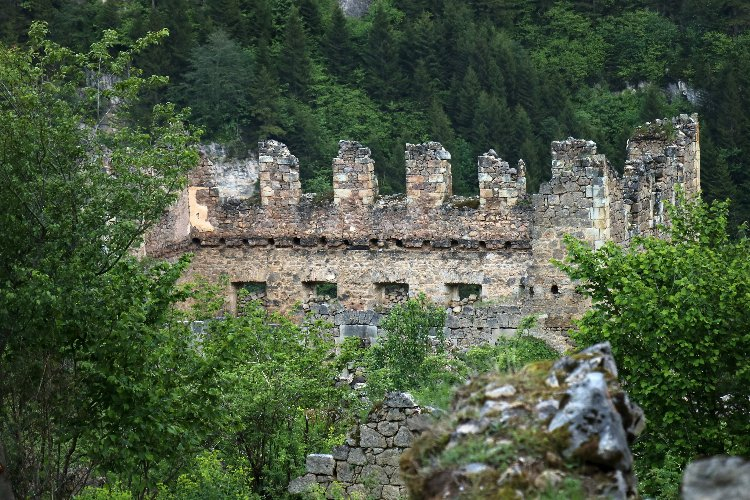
[554, 289]
[373, 242]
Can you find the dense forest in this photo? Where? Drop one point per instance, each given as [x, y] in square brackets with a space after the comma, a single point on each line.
[504, 74]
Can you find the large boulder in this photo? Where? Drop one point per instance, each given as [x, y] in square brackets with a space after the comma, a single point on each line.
[560, 427]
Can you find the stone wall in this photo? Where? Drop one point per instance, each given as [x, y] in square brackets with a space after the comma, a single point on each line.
[368, 463]
[428, 241]
[465, 326]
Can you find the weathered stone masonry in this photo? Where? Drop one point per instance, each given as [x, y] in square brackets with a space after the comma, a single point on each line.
[376, 249]
[367, 465]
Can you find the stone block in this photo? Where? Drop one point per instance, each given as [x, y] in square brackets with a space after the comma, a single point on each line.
[394, 415]
[419, 422]
[361, 331]
[389, 457]
[403, 438]
[387, 428]
[356, 457]
[302, 484]
[399, 400]
[369, 438]
[340, 452]
[375, 474]
[344, 472]
[320, 464]
[390, 492]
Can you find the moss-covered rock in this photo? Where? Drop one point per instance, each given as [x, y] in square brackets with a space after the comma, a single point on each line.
[552, 430]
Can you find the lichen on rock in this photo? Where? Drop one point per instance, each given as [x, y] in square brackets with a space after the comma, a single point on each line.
[562, 427]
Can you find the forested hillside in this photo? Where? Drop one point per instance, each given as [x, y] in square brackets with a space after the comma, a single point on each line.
[505, 74]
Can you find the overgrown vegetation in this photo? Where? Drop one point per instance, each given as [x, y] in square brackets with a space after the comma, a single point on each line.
[412, 355]
[677, 312]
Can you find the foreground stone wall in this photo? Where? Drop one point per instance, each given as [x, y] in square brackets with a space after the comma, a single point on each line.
[377, 250]
[368, 464]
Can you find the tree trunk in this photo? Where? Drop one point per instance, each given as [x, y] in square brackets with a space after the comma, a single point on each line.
[6, 489]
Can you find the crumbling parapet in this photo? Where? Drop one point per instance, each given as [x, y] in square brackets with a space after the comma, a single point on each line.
[354, 181]
[569, 152]
[279, 175]
[500, 185]
[428, 175]
[577, 196]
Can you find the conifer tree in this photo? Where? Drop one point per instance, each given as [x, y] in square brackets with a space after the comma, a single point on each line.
[294, 60]
[467, 96]
[381, 56]
[337, 45]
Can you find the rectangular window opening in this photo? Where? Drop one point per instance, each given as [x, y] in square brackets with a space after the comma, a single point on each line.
[390, 294]
[461, 294]
[321, 291]
[248, 291]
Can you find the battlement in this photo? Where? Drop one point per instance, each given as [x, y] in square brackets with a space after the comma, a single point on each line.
[280, 186]
[500, 185]
[429, 182]
[354, 181]
[569, 153]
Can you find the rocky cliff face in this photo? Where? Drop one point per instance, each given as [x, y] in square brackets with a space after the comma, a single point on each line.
[562, 427]
[235, 178]
[355, 8]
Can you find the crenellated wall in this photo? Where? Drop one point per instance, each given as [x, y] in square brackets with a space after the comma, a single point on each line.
[496, 249]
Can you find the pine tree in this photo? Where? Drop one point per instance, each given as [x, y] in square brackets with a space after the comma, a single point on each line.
[216, 85]
[265, 105]
[310, 12]
[337, 45]
[381, 56]
[467, 97]
[438, 123]
[294, 61]
[226, 14]
[258, 21]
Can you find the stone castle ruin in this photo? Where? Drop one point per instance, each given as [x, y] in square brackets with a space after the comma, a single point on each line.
[351, 258]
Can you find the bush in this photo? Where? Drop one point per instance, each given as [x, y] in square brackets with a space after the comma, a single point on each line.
[209, 479]
[510, 354]
[677, 313]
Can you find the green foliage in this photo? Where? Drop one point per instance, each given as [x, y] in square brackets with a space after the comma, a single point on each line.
[209, 479]
[404, 357]
[270, 382]
[641, 46]
[110, 492]
[568, 45]
[216, 86]
[676, 313]
[90, 367]
[663, 479]
[509, 354]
